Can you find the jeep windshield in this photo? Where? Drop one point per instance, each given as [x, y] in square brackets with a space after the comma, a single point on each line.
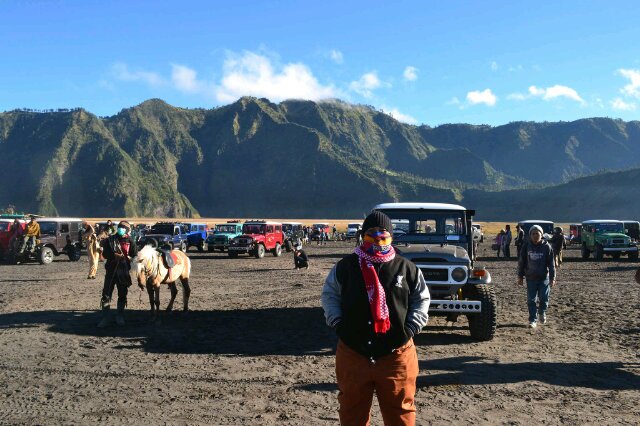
[48, 228]
[162, 229]
[253, 229]
[610, 228]
[226, 229]
[426, 226]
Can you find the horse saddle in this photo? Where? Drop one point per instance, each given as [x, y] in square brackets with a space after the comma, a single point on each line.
[169, 258]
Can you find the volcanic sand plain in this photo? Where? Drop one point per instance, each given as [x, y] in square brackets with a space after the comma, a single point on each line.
[255, 349]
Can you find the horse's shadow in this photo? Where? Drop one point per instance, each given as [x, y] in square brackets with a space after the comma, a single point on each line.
[269, 331]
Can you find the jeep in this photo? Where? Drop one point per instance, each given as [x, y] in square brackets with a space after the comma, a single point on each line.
[478, 235]
[606, 237]
[257, 237]
[292, 234]
[166, 234]
[197, 235]
[575, 234]
[221, 236]
[352, 229]
[317, 230]
[546, 225]
[58, 235]
[439, 240]
[5, 235]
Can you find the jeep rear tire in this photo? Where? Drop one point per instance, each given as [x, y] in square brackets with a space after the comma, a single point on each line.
[201, 246]
[584, 252]
[74, 254]
[483, 325]
[233, 254]
[258, 252]
[633, 255]
[45, 256]
[277, 250]
[599, 252]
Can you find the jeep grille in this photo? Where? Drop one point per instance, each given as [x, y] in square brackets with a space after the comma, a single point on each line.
[432, 274]
[617, 241]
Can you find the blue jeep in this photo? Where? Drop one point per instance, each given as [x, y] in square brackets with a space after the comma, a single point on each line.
[167, 234]
[222, 234]
[197, 234]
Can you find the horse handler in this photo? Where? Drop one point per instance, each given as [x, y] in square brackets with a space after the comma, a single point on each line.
[118, 250]
[93, 249]
[376, 302]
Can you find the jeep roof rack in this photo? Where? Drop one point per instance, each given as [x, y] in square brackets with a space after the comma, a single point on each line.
[602, 221]
[422, 206]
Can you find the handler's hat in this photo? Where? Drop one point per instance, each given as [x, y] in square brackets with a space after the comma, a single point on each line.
[124, 224]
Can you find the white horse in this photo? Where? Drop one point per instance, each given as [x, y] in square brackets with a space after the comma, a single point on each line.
[151, 272]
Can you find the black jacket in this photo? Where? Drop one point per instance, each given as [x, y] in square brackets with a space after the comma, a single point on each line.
[111, 246]
[347, 307]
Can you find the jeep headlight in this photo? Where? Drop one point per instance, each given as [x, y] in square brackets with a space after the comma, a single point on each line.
[459, 274]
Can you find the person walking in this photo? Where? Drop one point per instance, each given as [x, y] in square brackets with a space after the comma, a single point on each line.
[519, 239]
[558, 244]
[93, 249]
[497, 242]
[118, 250]
[376, 302]
[537, 266]
[300, 258]
[506, 242]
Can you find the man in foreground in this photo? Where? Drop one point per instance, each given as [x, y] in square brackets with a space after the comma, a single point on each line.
[376, 301]
[536, 264]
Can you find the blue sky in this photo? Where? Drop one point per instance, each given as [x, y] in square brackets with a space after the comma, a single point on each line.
[481, 62]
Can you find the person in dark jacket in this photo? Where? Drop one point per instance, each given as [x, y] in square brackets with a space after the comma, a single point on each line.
[376, 302]
[537, 266]
[300, 258]
[558, 244]
[519, 239]
[118, 250]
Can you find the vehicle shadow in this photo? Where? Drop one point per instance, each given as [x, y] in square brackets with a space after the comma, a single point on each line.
[469, 370]
[269, 331]
[621, 268]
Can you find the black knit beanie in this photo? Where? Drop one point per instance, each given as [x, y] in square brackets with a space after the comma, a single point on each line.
[377, 219]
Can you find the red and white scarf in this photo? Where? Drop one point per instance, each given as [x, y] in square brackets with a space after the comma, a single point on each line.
[369, 255]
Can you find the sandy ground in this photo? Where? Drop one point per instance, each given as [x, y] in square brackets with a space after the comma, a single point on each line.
[255, 350]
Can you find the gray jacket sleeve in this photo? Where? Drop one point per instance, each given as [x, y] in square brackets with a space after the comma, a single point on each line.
[419, 301]
[331, 299]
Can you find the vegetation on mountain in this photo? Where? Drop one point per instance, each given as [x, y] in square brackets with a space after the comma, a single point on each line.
[293, 159]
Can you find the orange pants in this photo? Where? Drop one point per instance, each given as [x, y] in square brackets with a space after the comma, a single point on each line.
[393, 377]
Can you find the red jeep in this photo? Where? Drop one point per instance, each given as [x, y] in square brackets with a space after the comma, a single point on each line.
[257, 237]
[5, 235]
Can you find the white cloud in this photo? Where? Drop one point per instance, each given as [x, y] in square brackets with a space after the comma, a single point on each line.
[485, 97]
[367, 84]
[122, 72]
[410, 73]
[395, 113]
[185, 79]
[557, 91]
[494, 66]
[336, 56]
[620, 105]
[516, 97]
[254, 75]
[453, 101]
[633, 88]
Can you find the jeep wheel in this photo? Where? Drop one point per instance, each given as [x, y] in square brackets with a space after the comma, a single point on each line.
[46, 256]
[616, 256]
[483, 325]
[584, 252]
[259, 251]
[599, 252]
[201, 247]
[633, 255]
[210, 249]
[183, 247]
[277, 250]
[233, 254]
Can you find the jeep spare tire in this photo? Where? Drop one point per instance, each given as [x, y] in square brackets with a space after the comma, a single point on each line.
[599, 252]
[483, 325]
[259, 251]
[277, 250]
[46, 256]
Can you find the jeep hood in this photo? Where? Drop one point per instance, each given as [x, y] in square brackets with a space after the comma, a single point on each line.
[448, 253]
[224, 234]
[612, 235]
[158, 235]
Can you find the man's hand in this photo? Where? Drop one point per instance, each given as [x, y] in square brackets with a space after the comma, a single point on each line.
[520, 281]
[553, 283]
